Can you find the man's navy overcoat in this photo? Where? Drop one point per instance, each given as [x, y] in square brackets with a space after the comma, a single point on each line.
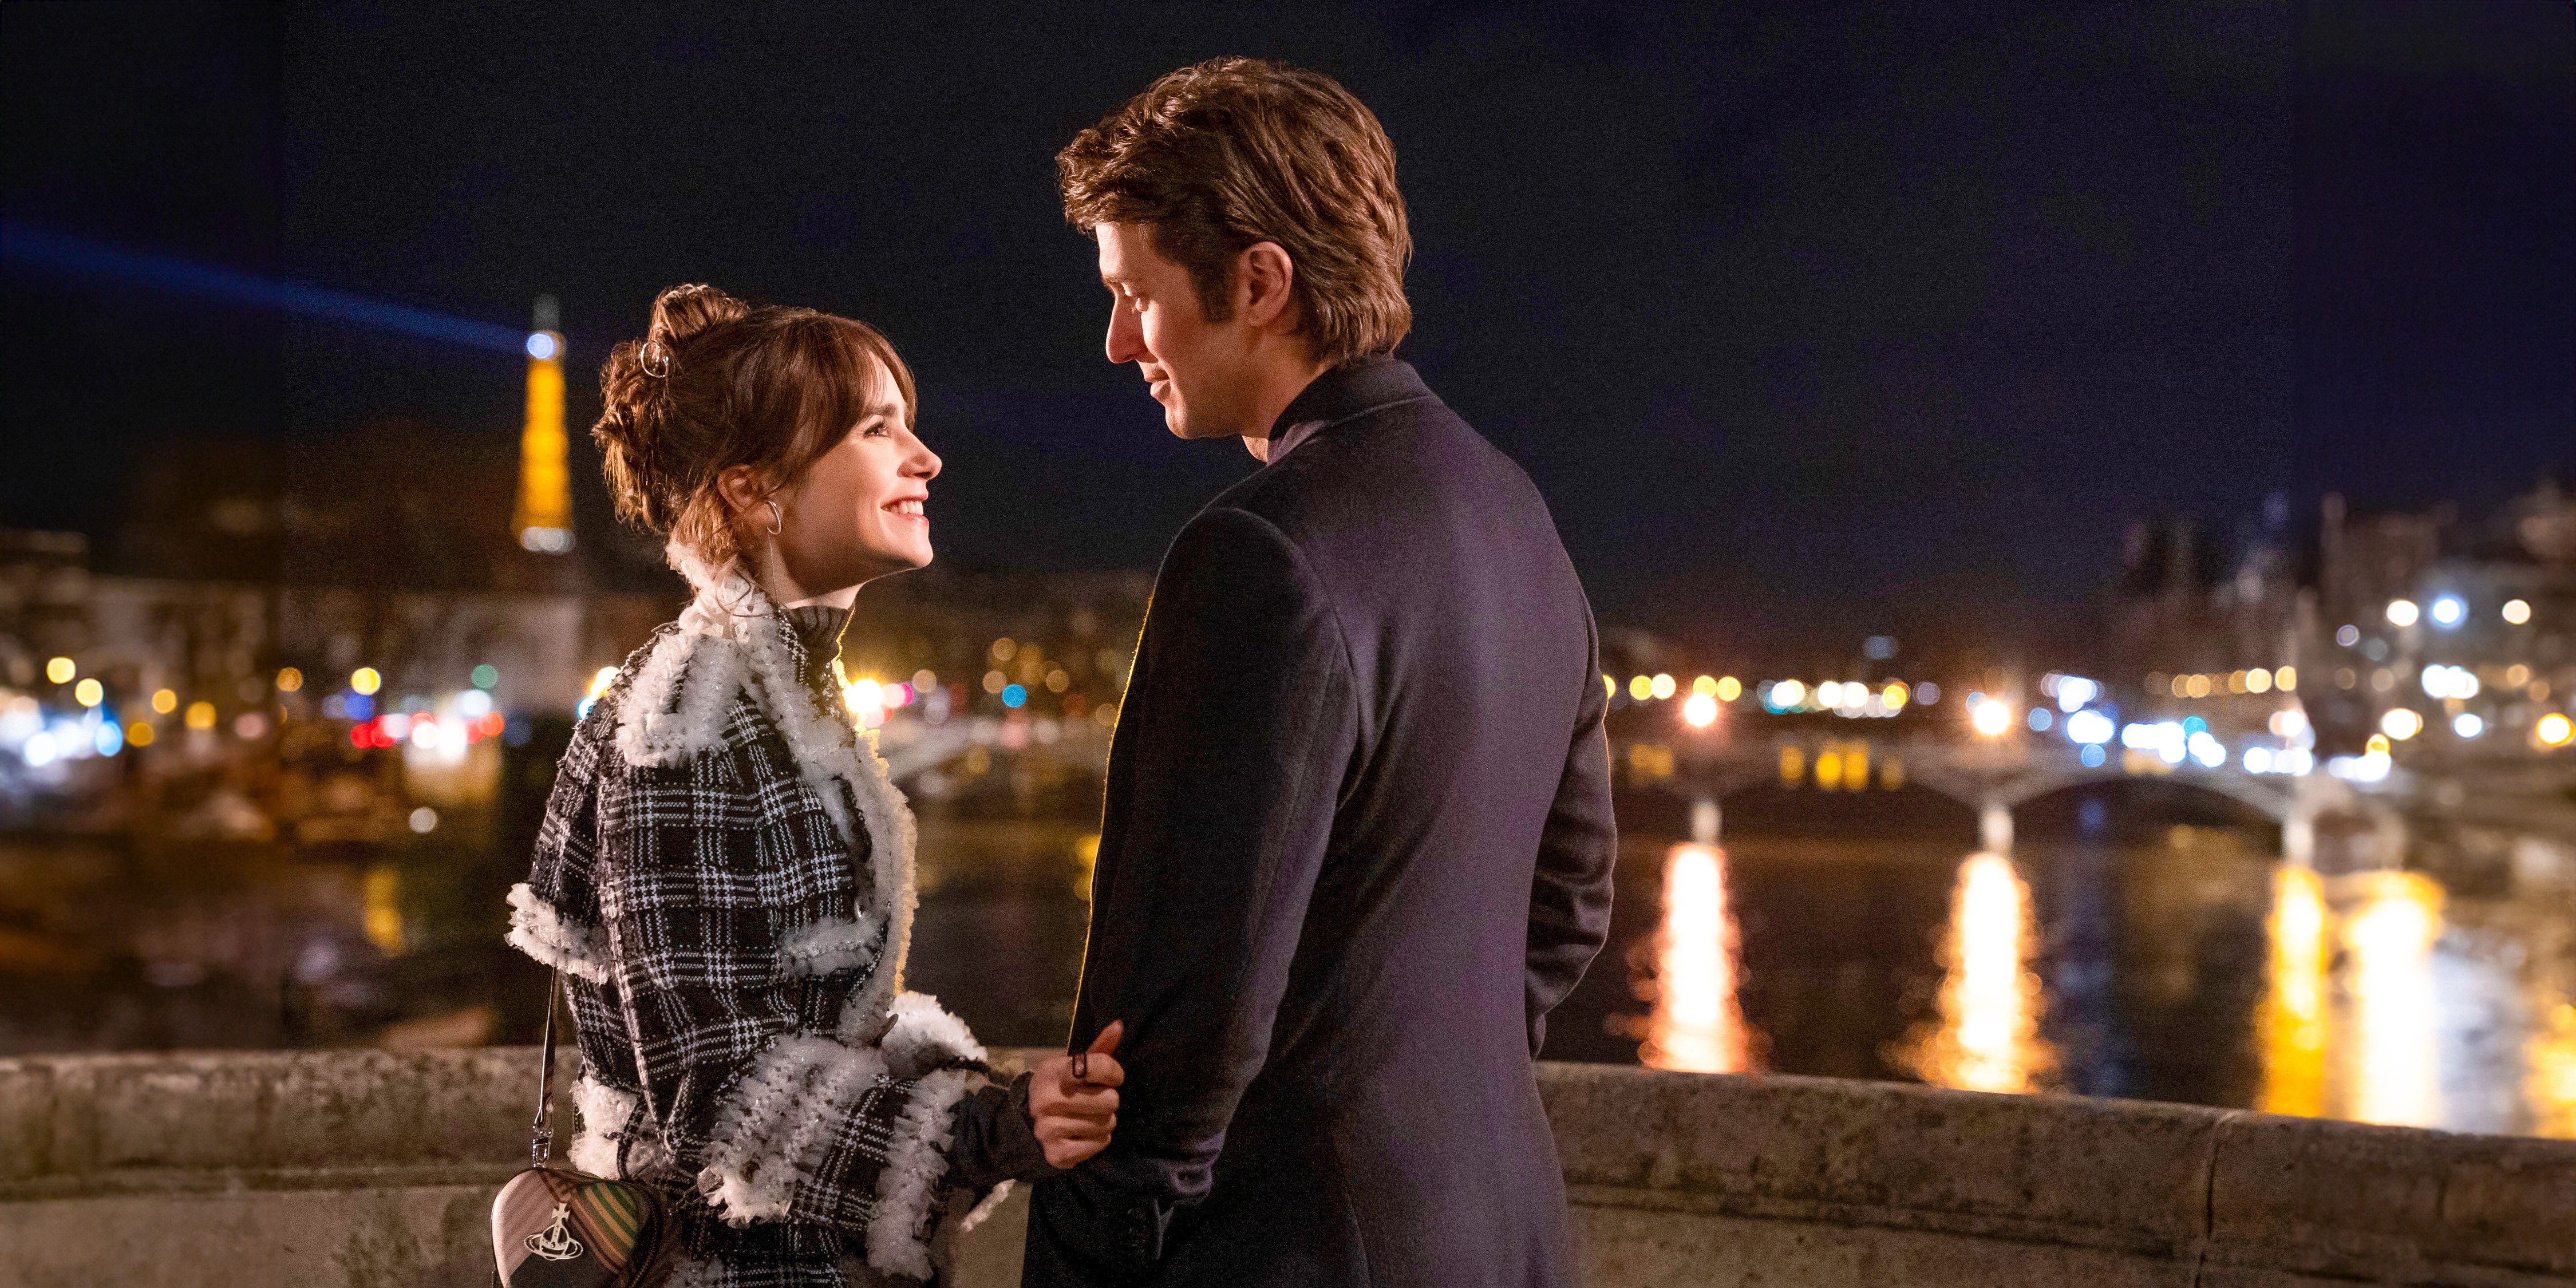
[1357, 842]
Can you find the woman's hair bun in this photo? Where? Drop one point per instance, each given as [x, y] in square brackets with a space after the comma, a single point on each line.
[684, 312]
[647, 470]
[715, 384]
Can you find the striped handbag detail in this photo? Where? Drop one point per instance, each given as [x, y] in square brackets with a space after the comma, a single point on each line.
[553, 1227]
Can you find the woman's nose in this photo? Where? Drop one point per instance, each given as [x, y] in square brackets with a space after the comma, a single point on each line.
[925, 463]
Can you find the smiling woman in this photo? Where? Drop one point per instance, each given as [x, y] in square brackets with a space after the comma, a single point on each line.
[778, 436]
[724, 879]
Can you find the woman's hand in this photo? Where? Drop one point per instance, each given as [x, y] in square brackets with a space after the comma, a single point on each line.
[1073, 1100]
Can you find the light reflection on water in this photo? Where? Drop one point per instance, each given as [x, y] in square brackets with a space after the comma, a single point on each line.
[1697, 1024]
[2293, 1024]
[2394, 1075]
[2375, 1005]
[1987, 1038]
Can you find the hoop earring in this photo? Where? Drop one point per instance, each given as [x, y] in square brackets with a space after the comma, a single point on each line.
[777, 518]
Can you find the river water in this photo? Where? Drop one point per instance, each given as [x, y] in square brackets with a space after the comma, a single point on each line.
[2116, 956]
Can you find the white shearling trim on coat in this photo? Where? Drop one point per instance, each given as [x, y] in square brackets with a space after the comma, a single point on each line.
[702, 674]
[779, 1121]
[829, 754]
[991, 1203]
[921, 1036]
[832, 944]
[608, 1116]
[537, 930]
[898, 1235]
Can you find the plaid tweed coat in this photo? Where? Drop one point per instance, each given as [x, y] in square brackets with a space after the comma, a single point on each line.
[725, 877]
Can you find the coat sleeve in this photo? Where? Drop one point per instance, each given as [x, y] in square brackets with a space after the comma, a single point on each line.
[1231, 751]
[763, 1118]
[1578, 850]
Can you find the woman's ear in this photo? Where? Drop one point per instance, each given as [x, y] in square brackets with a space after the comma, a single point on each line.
[740, 488]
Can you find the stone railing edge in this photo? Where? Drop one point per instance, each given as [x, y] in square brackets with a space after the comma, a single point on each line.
[2167, 1182]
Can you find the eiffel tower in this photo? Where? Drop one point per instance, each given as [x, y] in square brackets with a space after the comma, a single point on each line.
[543, 517]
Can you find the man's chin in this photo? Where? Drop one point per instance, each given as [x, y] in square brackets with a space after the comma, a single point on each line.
[1183, 427]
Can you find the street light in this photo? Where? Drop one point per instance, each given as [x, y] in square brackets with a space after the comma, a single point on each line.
[2402, 612]
[2448, 611]
[1701, 711]
[2401, 723]
[2554, 730]
[1991, 718]
[2517, 612]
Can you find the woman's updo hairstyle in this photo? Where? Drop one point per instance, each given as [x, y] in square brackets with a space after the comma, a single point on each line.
[717, 383]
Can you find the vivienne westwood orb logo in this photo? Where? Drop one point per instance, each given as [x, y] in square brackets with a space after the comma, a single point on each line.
[555, 1243]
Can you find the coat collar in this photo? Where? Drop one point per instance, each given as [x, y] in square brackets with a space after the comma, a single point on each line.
[1346, 392]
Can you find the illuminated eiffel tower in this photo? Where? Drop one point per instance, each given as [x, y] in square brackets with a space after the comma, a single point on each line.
[543, 517]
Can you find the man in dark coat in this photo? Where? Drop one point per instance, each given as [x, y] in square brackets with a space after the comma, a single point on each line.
[1358, 837]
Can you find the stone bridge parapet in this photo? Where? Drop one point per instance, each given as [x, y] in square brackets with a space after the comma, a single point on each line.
[372, 1169]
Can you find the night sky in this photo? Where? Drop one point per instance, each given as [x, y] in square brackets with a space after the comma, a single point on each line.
[1810, 322]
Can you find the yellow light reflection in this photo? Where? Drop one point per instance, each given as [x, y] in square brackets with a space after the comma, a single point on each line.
[2392, 1069]
[1086, 856]
[1988, 1034]
[381, 890]
[1697, 1025]
[1856, 766]
[2553, 1073]
[1829, 770]
[1793, 765]
[2294, 1006]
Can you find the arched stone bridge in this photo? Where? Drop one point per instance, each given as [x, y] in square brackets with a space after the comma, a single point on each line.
[1997, 778]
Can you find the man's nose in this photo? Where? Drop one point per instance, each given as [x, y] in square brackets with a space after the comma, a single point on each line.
[1126, 336]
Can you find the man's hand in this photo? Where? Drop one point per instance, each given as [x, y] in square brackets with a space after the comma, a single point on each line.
[1073, 1099]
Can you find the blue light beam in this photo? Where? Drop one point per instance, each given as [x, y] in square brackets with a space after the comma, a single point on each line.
[36, 248]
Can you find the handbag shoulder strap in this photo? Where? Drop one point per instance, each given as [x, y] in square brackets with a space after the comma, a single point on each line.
[541, 1136]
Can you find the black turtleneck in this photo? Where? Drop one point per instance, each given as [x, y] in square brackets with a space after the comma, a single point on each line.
[818, 628]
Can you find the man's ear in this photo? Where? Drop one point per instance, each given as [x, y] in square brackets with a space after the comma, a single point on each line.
[1263, 274]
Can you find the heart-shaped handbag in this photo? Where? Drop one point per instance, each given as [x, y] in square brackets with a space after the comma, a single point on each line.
[553, 1227]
